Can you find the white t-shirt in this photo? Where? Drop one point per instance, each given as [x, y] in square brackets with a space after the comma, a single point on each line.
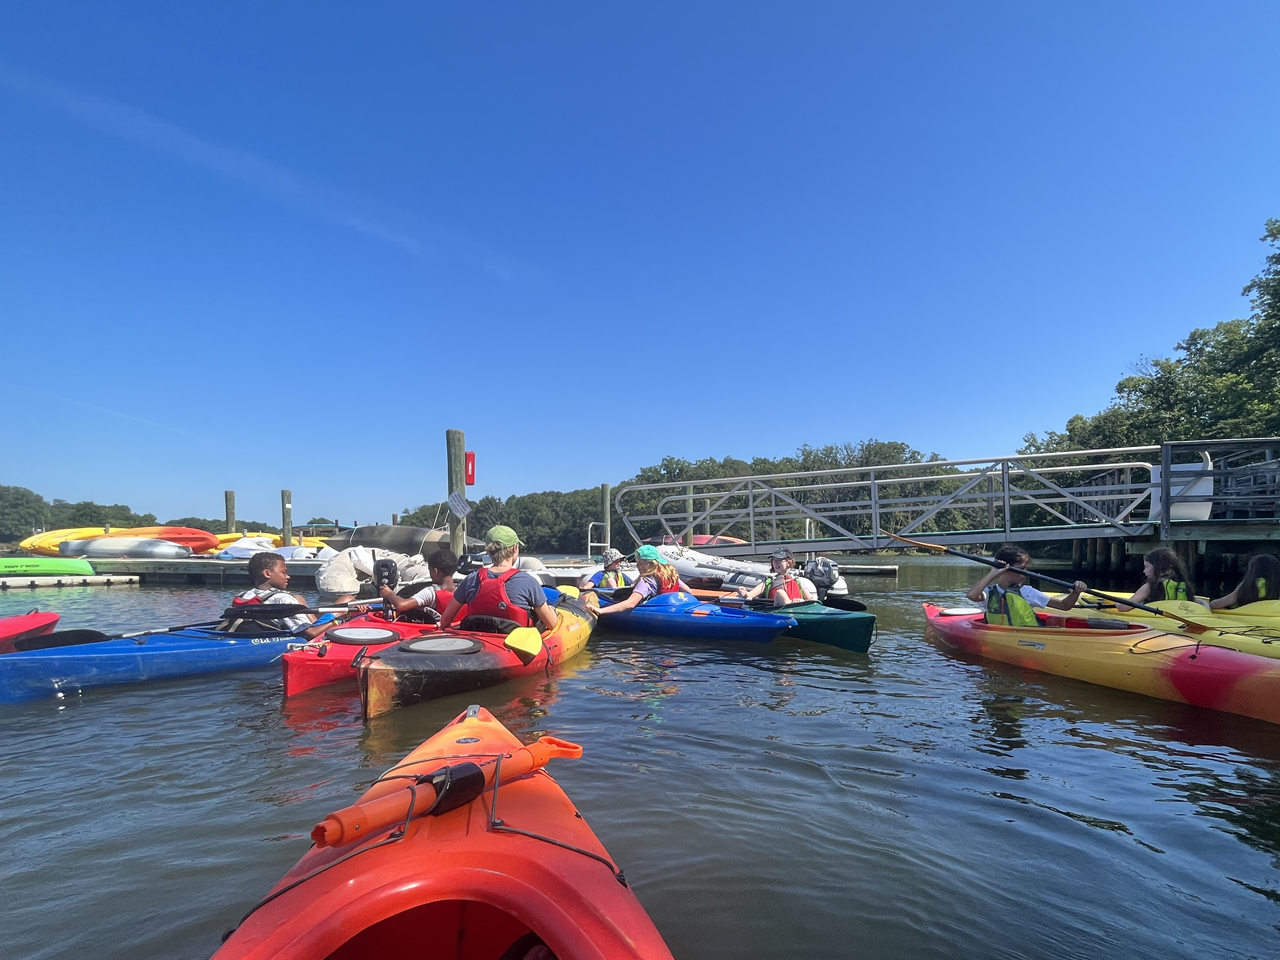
[1030, 594]
[271, 595]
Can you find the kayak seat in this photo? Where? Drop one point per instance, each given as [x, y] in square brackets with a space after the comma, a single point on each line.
[484, 624]
[529, 947]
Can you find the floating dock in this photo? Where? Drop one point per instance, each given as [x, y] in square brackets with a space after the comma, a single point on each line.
[31, 583]
[197, 570]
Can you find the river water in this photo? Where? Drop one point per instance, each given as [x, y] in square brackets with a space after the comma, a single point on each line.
[788, 800]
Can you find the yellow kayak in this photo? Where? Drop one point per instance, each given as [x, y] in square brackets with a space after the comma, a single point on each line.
[46, 544]
[1253, 628]
[226, 539]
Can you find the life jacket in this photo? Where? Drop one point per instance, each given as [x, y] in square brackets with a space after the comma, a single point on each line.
[258, 593]
[251, 597]
[1172, 589]
[491, 599]
[442, 599]
[610, 579]
[1008, 608]
[789, 584]
[1261, 584]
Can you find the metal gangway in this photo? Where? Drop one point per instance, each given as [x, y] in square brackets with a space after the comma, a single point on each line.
[1184, 490]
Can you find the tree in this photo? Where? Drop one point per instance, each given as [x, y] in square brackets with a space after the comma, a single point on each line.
[21, 512]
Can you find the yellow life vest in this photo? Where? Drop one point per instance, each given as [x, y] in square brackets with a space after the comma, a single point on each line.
[1008, 608]
[1173, 590]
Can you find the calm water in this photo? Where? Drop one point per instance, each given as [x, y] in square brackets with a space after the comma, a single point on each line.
[784, 801]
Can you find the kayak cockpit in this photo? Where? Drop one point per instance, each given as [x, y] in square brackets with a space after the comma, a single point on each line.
[465, 929]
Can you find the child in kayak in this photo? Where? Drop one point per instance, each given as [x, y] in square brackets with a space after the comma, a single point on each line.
[611, 577]
[433, 598]
[1261, 582]
[1166, 580]
[785, 586]
[1007, 597]
[270, 575]
[656, 576]
[504, 590]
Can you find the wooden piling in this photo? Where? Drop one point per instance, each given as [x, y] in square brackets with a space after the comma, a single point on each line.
[286, 517]
[688, 506]
[1091, 554]
[1077, 553]
[1117, 556]
[455, 443]
[395, 519]
[230, 497]
[606, 513]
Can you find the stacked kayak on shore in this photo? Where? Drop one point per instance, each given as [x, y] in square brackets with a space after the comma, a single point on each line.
[1124, 655]
[438, 874]
[460, 660]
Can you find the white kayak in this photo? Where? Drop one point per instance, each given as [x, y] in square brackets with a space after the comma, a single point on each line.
[734, 573]
[110, 548]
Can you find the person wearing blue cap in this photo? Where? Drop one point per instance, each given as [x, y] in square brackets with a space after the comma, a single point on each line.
[656, 576]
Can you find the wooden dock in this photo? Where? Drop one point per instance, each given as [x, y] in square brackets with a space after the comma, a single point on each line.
[31, 583]
[200, 570]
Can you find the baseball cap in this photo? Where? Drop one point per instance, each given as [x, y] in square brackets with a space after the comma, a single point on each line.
[650, 553]
[504, 536]
[611, 555]
[783, 553]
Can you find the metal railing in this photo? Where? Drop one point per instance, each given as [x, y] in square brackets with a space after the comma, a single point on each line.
[1120, 492]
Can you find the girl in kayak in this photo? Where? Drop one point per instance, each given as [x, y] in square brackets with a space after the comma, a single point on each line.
[433, 598]
[656, 576]
[1166, 580]
[784, 586]
[1008, 598]
[504, 590]
[1261, 582]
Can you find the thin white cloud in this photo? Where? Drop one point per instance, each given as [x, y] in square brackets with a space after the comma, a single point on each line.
[271, 179]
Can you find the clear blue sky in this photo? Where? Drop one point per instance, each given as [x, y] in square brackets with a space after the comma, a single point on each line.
[256, 246]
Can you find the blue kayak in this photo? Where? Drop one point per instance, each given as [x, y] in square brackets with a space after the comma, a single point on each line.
[681, 615]
[31, 674]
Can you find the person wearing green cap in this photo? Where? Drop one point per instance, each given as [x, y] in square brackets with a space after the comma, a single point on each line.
[656, 576]
[502, 590]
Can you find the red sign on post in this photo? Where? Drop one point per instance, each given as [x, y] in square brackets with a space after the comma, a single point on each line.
[470, 468]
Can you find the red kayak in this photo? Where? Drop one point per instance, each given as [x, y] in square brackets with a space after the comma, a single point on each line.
[33, 624]
[331, 658]
[466, 849]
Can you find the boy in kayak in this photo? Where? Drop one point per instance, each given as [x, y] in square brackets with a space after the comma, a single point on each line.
[785, 586]
[656, 576]
[1008, 598]
[270, 575]
[433, 598]
[503, 590]
[611, 577]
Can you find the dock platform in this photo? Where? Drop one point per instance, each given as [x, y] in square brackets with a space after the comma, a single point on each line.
[31, 583]
[199, 570]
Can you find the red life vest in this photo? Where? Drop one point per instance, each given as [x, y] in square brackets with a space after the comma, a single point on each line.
[662, 588]
[442, 599]
[790, 586]
[491, 599]
[243, 601]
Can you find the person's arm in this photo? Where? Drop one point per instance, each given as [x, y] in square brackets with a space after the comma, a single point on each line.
[401, 604]
[807, 589]
[978, 592]
[1224, 602]
[450, 612]
[547, 614]
[317, 629]
[630, 603]
[754, 592]
[1069, 601]
[1139, 596]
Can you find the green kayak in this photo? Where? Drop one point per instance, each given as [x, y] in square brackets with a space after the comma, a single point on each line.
[44, 567]
[849, 629]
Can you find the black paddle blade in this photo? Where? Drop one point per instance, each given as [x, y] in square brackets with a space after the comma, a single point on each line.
[61, 638]
[265, 611]
[844, 603]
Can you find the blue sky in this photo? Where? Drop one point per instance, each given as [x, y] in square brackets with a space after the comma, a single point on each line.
[256, 246]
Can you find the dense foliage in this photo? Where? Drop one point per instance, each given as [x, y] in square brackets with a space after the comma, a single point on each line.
[23, 511]
[1225, 382]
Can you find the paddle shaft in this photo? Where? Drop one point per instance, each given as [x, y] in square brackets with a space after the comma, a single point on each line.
[1030, 573]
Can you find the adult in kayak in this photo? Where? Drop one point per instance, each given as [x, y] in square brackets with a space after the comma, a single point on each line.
[656, 576]
[433, 598]
[1261, 582]
[270, 575]
[1166, 580]
[1007, 597]
[611, 577]
[503, 591]
[785, 585]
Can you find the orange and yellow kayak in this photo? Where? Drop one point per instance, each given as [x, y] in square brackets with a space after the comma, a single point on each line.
[466, 849]
[1127, 656]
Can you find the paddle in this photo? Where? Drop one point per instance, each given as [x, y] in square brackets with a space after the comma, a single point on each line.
[835, 603]
[1193, 625]
[71, 638]
[275, 611]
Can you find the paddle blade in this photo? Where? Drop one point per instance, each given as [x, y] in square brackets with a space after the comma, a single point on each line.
[62, 638]
[525, 642]
[844, 603]
[265, 611]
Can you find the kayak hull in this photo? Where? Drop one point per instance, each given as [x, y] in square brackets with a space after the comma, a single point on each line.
[33, 624]
[1253, 628]
[332, 659]
[1155, 663]
[460, 880]
[846, 629]
[45, 567]
[681, 615]
[69, 671]
[397, 677]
